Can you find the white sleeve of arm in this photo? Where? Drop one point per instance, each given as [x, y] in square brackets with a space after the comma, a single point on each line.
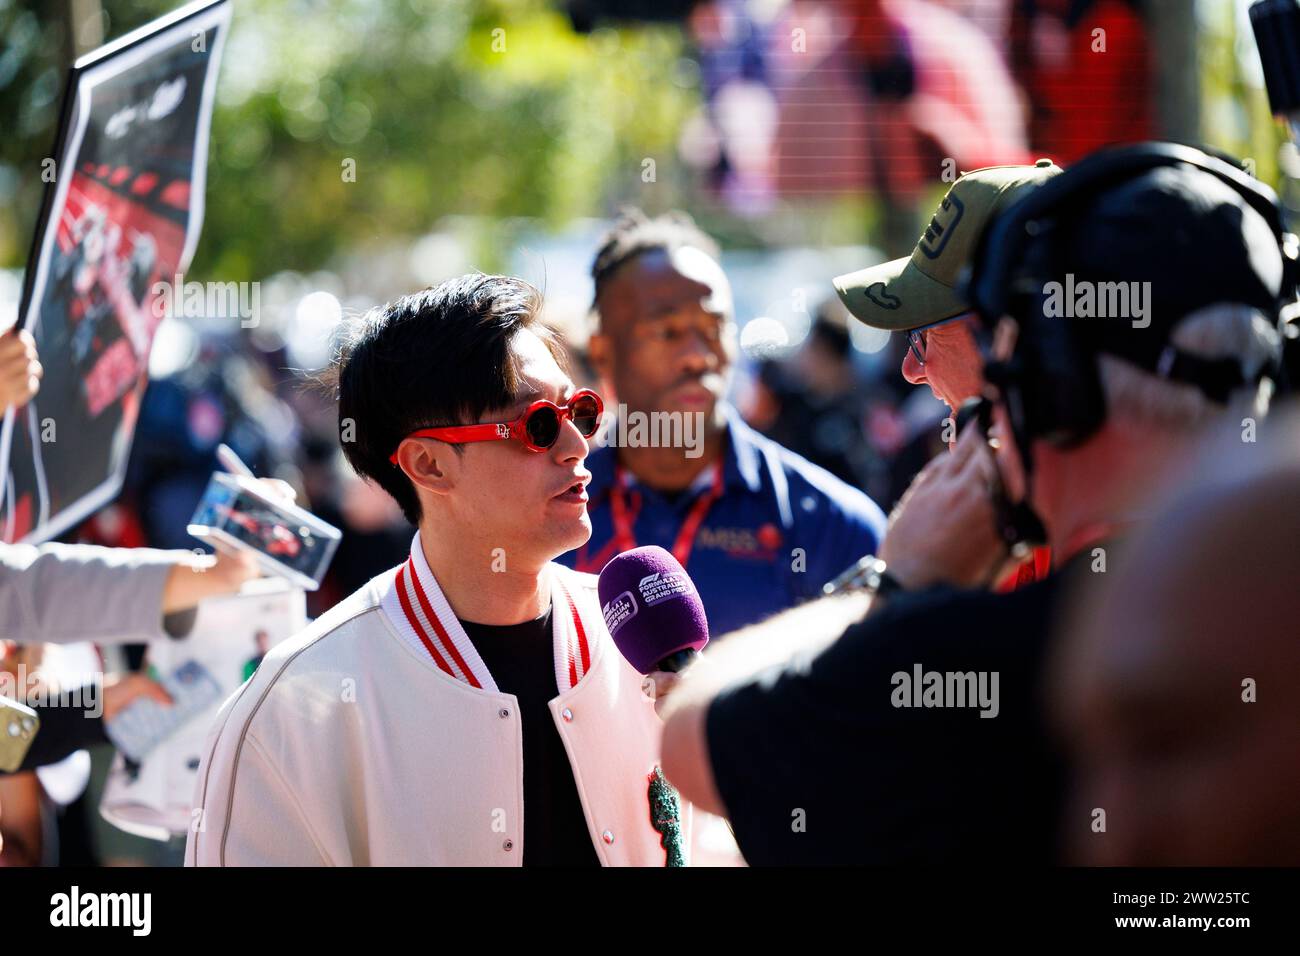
[66, 593]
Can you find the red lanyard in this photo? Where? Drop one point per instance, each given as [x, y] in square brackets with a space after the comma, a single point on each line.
[624, 517]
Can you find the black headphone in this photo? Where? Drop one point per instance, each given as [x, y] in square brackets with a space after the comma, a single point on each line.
[1051, 384]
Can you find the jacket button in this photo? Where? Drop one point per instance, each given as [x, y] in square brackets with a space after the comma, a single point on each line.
[567, 715]
[608, 836]
[503, 713]
[508, 845]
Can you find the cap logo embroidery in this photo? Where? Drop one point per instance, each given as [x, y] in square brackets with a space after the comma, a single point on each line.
[878, 294]
[941, 227]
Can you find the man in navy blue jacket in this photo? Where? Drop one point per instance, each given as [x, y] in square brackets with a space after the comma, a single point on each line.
[758, 527]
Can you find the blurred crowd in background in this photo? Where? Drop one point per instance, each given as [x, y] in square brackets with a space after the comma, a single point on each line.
[808, 137]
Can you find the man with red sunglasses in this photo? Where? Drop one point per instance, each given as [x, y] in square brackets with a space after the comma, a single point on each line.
[537, 428]
[467, 707]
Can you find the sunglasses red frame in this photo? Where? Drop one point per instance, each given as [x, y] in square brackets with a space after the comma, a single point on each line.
[517, 429]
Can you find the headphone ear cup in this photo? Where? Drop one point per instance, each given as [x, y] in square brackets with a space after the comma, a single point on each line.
[1053, 379]
[1058, 379]
[1067, 404]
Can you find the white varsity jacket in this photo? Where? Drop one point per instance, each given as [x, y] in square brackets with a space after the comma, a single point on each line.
[378, 737]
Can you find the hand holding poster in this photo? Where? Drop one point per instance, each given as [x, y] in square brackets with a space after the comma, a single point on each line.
[121, 219]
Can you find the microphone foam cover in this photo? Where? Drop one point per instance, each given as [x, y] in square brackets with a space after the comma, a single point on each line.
[651, 606]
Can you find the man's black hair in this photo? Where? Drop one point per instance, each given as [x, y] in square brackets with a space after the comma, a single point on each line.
[634, 233]
[442, 356]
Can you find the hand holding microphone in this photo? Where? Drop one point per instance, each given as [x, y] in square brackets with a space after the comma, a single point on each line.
[655, 615]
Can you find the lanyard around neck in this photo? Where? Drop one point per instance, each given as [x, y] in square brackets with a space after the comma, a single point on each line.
[624, 516]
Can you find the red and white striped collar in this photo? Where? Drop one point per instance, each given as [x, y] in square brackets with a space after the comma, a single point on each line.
[419, 611]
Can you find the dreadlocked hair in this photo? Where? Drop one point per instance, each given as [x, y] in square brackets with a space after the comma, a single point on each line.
[634, 233]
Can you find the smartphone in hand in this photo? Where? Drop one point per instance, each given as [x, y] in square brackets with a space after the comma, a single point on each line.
[18, 727]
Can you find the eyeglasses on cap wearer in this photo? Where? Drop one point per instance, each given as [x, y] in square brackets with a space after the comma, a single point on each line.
[916, 337]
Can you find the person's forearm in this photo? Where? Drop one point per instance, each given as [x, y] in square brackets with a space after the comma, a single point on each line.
[70, 593]
[745, 652]
[60, 593]
[186, 585]
[197, 577]
[741, 655]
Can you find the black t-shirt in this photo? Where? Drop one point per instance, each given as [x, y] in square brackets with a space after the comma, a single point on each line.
[521, 660]
[817, 764]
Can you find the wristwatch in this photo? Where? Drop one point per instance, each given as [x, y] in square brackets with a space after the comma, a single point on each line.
[880, 582]
[869, 574]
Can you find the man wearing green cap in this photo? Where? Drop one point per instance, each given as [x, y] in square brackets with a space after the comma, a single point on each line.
[918, 294]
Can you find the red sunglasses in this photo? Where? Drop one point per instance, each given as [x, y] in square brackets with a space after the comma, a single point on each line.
[538, 427]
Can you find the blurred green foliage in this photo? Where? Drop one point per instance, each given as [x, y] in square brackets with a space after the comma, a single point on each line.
[489, 110]
[1235, 114]
[446, 107]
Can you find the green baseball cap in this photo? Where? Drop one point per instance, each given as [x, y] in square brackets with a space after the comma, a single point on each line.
[921, 289]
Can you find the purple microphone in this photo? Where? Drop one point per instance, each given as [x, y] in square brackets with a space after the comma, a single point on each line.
[652, 610]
